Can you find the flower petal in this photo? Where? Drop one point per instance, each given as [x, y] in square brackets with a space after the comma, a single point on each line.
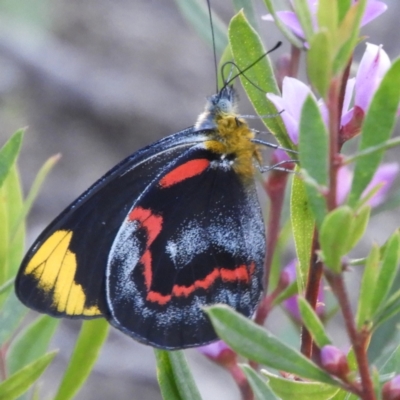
[291, 124]
[344, 179]
[373, 10]
[289, 18]
[373, 66]
[385, 174]
[348, 95]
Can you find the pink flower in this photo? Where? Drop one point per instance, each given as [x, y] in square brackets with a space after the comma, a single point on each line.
[391, 389]
[334, 360]
[294, 94]
[385, 176]
[291, 304]
[373, 66]
[373, 9]
[219, 352]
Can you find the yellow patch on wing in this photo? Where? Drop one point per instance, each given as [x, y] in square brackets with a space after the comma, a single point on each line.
[54, 267]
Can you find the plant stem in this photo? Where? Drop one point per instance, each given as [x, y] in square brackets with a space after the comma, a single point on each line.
[241, 380]
[358, 340]
[294, 61]
[312, 291]
[334, 124]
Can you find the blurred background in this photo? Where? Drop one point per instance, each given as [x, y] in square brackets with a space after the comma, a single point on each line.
[96, 80]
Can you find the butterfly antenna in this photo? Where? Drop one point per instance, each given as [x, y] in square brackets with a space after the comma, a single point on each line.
[213, 44]
[241, 72]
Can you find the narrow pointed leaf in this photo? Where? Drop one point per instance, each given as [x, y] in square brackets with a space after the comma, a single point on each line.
[12, 192]
[348, 35]
[249, 11]
[255, 343]
[335, 235]
[359, 226]
[36, 186]
[377, 128]
[9, 153]
[261, 74]
[259, 385]
[196, 13]
[286, 388]
[21, 381]
[165, 376]
[327, 15]
[313, 323]
[319, 62]
[88, 345]
[364, 314]
[313, 153]
[12, 314]
[31, 343]
[303, 229]
[183, 377]
[387, 273]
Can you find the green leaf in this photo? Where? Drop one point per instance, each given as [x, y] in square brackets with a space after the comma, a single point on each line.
[378, 125]
[319, 62]
[360, 223]
[327, 15]
[255, 343]
[260, 388]
[289, 389]
[348, 35]
[246, 48]
[12, 203]
[21, 381]
[313, 153]
[7, 286]
[303, 229]
[290, 36]
[387, 273]
[389, 309]
[165, 376]
[303, 13]
[9, 153]
[88, 345]
[12, 314]
[392, 364]
[36, 186]
[196, 13]
[343, 6]
[335, 236]
[368, 283]
[313, 323]
[31, 343]
[248, 10]
[182, 376]
[290, 291]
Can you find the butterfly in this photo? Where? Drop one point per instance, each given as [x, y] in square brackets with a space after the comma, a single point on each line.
[173, 228]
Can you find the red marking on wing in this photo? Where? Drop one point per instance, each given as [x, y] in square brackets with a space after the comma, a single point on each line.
[158, 298]
[184, 171]
[240, 273]
[153, 225]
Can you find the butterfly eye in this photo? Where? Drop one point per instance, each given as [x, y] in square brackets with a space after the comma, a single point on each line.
[225, 105]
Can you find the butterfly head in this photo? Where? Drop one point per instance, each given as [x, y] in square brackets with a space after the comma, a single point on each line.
[219, 105]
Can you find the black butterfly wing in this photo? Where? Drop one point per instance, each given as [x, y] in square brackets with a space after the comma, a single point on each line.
[195, 237]
[63, 274]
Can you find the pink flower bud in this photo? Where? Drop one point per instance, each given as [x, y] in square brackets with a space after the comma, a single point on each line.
[219, 352]
[391, 389]
[334, 361]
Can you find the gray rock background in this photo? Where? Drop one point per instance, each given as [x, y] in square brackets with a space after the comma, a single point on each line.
[96, 80]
